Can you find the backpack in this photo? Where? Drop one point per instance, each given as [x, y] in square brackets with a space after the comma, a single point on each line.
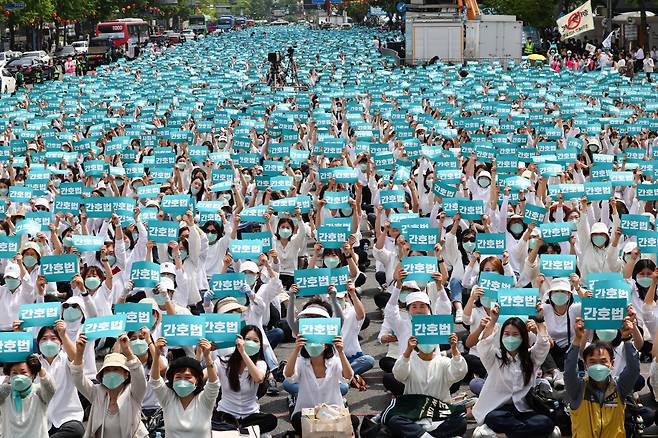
[543, 401]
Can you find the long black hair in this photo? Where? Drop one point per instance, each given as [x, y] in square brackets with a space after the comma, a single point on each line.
[235, 360]
[523, 351]
[639, 266]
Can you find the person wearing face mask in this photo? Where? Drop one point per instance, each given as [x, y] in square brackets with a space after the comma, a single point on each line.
[97, 285]
[23, 401]
[74, 312]
[139, 344]
[116, 402]
[240, 376]
[478, 182]
[456, 254]
[318, 374]
[187, 401]
[219, 238]
[288, 245]
[17, 290]
[512, 365]
[31, 258]
[424, 371]
[65, 412]
[597, 400]
[596, 252]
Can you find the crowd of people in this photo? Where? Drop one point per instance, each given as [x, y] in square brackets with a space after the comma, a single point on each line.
[163, 181]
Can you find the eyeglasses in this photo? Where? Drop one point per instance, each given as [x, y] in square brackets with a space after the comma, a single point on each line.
[469, 239]
[67, 305]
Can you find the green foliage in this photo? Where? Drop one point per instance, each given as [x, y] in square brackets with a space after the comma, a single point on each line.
[357, 11]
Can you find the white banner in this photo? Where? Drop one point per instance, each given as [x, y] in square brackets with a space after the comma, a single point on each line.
[576, 22]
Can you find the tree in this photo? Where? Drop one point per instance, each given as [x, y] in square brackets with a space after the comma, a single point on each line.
[538, 13]
[357, 10]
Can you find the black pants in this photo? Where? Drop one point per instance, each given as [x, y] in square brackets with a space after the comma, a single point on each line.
[406, 428]
[475, 368]
[70, 429]
[558, 354]
[286, 280]
[393, 385]
[508, 420]
[386, 364]
[266, 422]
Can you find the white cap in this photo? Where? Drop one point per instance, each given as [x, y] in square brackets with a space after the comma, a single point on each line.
[167, 284]
[484, 174]
[411, 284]
[152, 203]
[417, 297]
[600, 228]
[561, 284]
[168, 268]
[12, 270]
[527, 174]
[629, 247]
[314, 310]
[41, 202]
[249, 266]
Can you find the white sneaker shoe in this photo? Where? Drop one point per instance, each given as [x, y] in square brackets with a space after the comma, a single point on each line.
[484, 431]
[556, 433]
[558, 380]
[459, 316]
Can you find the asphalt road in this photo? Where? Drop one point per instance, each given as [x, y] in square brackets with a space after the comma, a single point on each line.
[375, 399]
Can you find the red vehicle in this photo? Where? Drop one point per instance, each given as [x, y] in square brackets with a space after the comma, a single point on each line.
[126, 33]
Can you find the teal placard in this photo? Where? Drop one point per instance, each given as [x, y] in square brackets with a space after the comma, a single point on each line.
[645, 192]
[20, 194]
[39, 314]
[603, 314]
[145, 274]
[163, 231]
[228, 284]
[94, 167]
[490, 243]
[314, 281]
[15, 346]
[332, 236]
[392, 198]
[71, 189]
[111, 326]
[183, 330]
[609, 289]
[67, 204]
[335, 200]
[87, 242]
[518, 301]
[246, 249]
[222, 329]
[647, 241]
[432, 329]
[264, 236]
[534, 214]
[137, 315]
[598, 191]
[555, 232]
[98, 207]
[150, 191]
[492, 282]
[59, 267]
[557, 265]
[176, 205]
[420, 268]
[319, 330]
[9, 246]
[254, 214]
[471, 209]
[631, 224]
[422, 239]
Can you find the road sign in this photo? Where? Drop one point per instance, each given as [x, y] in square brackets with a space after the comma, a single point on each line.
[14, 6]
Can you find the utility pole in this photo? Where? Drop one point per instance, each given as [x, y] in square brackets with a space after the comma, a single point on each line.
[609, 23]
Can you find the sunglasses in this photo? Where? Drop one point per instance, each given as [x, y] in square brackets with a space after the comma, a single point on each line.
[67, 305]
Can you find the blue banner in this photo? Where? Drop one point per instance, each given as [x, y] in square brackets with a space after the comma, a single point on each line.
[104, 327]
[631, 224]
[332, 236]
[336, 200]
[422, 239]
[319, 330]
[15, 346]
[176, 205]
[67, 204]
[222, 329]
[555, 232]
[9, 246]
[392, 198]
[432, 329]
[59, 267]
[603, 314]
[228, 284]
[89, 242]
[314, 281]
[518, 301]
[647, 241]
[490, 243]
[471, 209]
[264, 236]
[39, 314]
[27, 226]
[163, 231]
[183, 330]
[492, 282]
[611, 289]
[420, 268]
[557, 265]
[534, 213]
[246, 249]
[137, 315]
[20, 194]
[145, 274]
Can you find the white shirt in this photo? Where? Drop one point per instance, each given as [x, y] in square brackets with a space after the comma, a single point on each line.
[350, 331]
[63, 407]
[24, 294]
[556, 325]
[505, 384]
[313, 390]
[245, 402]
[31, 420]
[430, 377]
[289, 253]
[193, 422]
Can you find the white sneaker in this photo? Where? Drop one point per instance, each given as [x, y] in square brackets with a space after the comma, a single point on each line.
[556, 433]
[558, 380]
[459, 316]
[484, 431]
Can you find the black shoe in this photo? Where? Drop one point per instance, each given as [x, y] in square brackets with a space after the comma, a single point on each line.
[272, 390]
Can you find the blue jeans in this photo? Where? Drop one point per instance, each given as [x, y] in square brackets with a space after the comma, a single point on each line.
[361, 363]
[456, 289]
[293, 388]
[508, 420]
[275, 336]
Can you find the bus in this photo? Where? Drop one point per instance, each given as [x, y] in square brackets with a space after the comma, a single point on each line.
[199, 23]
[126, 33]
[240, 22]
[225, 23]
